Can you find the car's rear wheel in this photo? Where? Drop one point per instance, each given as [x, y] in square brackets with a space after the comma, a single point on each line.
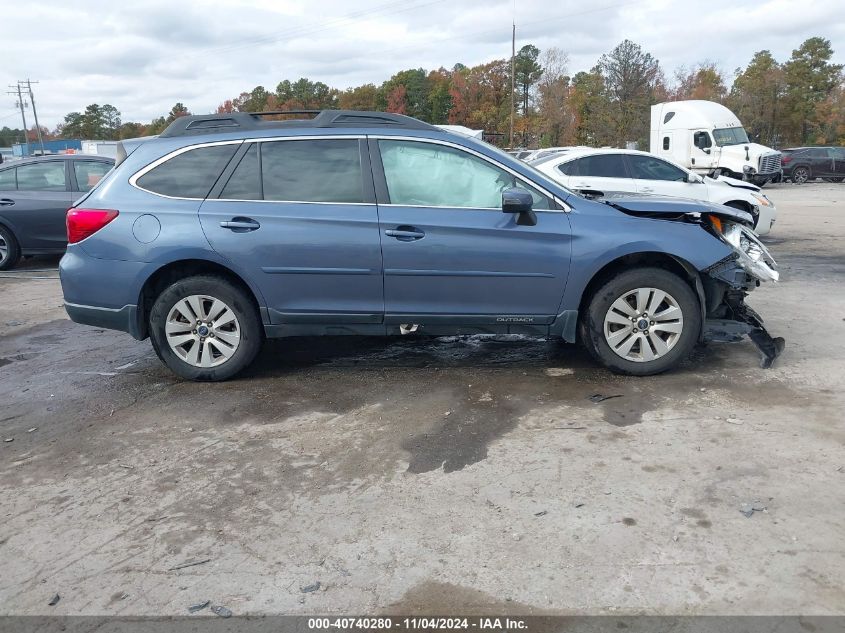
[10, 252]
[643, 321]
[800, 175]
[205, 328]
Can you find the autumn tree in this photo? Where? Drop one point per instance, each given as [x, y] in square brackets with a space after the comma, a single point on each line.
[631, 76]
[359, 98]
[590, 102]
[756, 97]
[527, 72]
[97, 122]
[555, 115]
[703, 81]
[809, 79]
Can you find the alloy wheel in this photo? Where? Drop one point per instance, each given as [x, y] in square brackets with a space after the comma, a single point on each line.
[4, 249]
[203, 331]
[643, 324]
[801, 175]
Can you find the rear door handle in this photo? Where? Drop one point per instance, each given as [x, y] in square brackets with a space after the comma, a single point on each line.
[241, 225]
[405, 233]
[6, 202]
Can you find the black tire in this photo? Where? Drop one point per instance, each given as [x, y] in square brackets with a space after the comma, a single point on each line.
[592, 324]
[12, 249]
[240, 303]
[801, 174]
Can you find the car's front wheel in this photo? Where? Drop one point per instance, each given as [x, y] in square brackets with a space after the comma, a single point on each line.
[10, 251]
[205, 328]
[643, 321]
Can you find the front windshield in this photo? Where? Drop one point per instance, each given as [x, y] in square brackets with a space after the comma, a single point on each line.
[730, 136]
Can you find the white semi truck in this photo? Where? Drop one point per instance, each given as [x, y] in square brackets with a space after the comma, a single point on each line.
[707, 138]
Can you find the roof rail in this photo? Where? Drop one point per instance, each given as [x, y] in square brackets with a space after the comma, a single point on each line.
[237, 121]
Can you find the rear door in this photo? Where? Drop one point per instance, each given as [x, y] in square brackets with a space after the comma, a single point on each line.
[839, 162]
[602, 172]
[451, 256]
[299, 217]
[39, 204]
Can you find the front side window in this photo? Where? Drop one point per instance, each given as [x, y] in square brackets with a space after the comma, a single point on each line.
[190, 174]
[7, 180]
[312, 171]
[49, 176]
[702, 140]
[646, 168]
[730, 136]
[603, 166]
[89, 173]
[432, 175]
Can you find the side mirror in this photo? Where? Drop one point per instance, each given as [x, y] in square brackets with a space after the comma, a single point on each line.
[516, 200]
[693, 177]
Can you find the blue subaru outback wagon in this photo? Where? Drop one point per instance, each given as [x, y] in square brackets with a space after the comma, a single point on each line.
[226, 229]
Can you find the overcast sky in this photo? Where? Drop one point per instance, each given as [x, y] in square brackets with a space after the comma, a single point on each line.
[145, 55]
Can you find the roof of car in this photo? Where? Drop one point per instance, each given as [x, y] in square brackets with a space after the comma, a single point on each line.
[195, 125]
[576, 152]
[49, 157]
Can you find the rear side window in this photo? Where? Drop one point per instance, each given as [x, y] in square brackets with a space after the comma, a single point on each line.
[245, 181]
[312, 171]
[190, 174]
[603, 166]
[7, 180]
[89, 173]
[49, 176]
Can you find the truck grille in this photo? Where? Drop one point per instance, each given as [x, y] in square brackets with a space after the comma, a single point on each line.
[770, 163]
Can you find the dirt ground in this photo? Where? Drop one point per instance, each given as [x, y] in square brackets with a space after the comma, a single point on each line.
[451, 475]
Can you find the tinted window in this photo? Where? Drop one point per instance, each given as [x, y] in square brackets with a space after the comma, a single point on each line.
[312, 171]
[646, 168]
[569, 168]
[817, 153]
[245, 182]
[89, 173]
[702, 140]
[7, 180]
[839, 153]
[49, 176]
[190, 174]
[431, 175]
[603, 166]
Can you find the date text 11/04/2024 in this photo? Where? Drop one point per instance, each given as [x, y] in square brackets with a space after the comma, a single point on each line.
[418, 623]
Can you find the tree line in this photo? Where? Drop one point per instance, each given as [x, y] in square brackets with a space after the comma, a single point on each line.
[797, 101]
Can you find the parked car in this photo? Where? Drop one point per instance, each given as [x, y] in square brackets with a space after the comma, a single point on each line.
[633, 172]
[34, 198]
[226, 229]
[801, 164]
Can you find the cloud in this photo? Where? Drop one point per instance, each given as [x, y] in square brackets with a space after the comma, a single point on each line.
[145, 56]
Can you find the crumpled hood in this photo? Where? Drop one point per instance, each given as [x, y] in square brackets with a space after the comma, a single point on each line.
[730, 182]
[665, 206]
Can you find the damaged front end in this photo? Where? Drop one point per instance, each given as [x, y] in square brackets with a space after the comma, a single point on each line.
[726, 284]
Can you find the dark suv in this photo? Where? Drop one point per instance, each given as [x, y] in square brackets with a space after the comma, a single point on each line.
[34, 198]
[801, 164]
[226, 229]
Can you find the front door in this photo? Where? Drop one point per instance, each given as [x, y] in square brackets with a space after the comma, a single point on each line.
[450, 253]
[299, 218]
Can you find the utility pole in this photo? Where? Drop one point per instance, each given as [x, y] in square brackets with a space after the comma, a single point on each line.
[513, 76]
[35, 113]
[21, 104]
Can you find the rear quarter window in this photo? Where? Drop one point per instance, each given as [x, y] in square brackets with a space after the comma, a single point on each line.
[7, 180]
[190, 174]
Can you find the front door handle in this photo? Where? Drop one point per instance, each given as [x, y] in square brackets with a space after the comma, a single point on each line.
[6, 202]
[241, 225]
[405, 233]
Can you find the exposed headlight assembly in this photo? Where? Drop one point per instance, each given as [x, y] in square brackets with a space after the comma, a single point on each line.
[753, 256]
[763, 200]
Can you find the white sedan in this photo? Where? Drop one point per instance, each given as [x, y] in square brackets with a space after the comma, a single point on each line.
[629, 171]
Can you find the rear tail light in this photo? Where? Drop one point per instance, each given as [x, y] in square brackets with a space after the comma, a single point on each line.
[82, 223]
[785, 159]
